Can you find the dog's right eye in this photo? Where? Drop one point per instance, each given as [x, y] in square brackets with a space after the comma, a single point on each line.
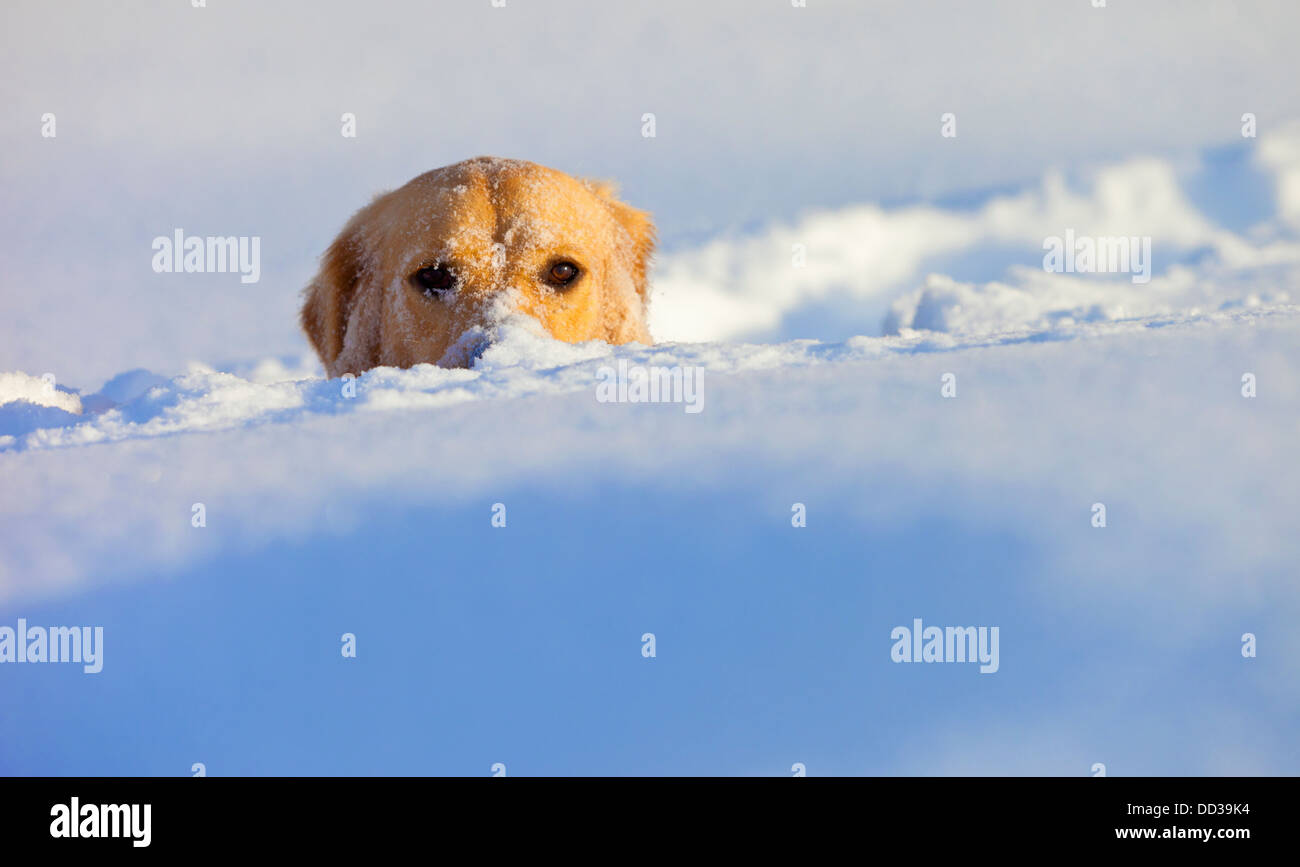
[434, 280]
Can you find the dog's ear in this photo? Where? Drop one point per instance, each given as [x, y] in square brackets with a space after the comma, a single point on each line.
[639, 226]
[328, 300]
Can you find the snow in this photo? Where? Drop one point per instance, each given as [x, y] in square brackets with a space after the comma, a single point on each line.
[327, 514]
[521, 362]
[866, 256]
[793, 399]
[37, 391]
[364, 506]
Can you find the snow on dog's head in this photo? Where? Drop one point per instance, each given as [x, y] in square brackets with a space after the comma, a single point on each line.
[428, 272]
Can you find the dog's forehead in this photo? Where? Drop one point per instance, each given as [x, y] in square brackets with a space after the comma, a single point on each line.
[513, 202]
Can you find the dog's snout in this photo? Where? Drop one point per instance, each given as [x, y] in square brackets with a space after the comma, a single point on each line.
[468, 348]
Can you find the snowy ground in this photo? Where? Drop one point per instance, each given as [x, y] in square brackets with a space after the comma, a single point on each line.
[366, 507]
[371, 514]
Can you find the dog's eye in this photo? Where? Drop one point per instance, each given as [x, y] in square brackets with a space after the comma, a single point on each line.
[434, 280]
[562, 273]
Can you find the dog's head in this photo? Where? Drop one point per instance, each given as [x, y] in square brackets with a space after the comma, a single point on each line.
[424, 273]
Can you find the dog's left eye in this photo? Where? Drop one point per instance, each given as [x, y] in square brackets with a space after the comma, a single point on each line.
[562, 273]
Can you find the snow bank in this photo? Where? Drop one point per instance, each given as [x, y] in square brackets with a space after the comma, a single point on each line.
[225, 532]
[1038, 300]
[523, 362]
[870, 257]
[535, 409]
[37, 391]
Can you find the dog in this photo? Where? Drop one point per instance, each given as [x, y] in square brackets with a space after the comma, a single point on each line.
[426, 273]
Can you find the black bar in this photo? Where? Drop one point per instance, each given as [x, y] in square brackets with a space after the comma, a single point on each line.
[337, 815]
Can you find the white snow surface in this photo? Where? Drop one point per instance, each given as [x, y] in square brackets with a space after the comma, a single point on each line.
[523, 362]
[37, 391]
[866, 254]
[1060, 410]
